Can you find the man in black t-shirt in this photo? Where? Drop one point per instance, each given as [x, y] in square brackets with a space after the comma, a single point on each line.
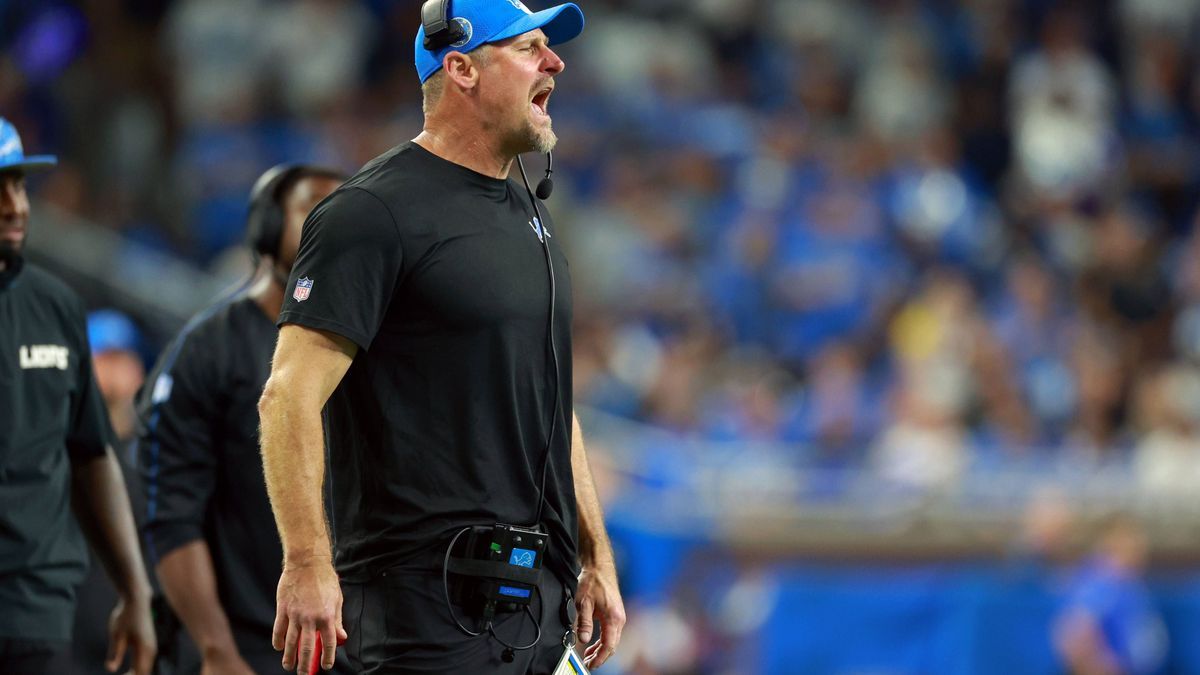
[55, 457]
[419, 320]
[208, 526]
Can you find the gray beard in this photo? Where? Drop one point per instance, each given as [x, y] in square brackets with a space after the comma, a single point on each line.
[545, 141]
[540, 141]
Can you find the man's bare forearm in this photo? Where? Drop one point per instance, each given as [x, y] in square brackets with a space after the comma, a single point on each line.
[101, 504]
[594, 546]
[293, 454]
[190, 584]
[307, 367]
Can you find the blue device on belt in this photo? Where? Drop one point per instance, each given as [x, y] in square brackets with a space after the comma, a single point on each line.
[496, 568]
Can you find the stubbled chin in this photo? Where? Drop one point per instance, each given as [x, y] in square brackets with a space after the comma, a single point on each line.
[546, 141]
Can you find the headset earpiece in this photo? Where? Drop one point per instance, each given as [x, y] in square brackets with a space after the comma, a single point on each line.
[264, 223]
[439, 29]
[266, 219]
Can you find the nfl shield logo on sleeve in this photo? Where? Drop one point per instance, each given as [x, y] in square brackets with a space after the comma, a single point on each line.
[303, 288]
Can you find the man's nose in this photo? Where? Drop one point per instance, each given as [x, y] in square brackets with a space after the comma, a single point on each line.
[554, 65]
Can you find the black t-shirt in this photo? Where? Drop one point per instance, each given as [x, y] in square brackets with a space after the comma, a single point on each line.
[50, 415]
[199, 460]
[437, 273]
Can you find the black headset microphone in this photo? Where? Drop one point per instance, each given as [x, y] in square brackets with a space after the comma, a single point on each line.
[546, 185]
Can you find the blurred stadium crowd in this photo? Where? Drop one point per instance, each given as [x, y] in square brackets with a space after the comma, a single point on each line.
[931, 240]
[919, 236]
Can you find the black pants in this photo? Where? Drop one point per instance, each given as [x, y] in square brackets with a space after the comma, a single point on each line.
[399, 625]
[29, 657]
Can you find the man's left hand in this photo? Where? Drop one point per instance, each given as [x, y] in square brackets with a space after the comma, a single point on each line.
[131, 626]
[599, 602]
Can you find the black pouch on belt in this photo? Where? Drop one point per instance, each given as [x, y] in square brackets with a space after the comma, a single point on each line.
[496, 568]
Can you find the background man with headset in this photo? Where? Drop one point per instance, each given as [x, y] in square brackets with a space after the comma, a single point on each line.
[208, 524]
[429, 309]
[55, 456]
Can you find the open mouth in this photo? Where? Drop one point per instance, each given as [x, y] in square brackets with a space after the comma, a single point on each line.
[541, 100]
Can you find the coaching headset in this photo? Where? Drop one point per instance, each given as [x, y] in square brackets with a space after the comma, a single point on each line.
[265, 219]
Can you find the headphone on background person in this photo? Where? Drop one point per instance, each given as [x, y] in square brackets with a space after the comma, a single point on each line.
[441, 31]
[265, 219]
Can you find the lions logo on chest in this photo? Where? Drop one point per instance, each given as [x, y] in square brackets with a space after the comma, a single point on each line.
[44, 356]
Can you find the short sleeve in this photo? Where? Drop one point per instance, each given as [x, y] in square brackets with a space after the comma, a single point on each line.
[90, 432]
[346, 271]
[176, 457]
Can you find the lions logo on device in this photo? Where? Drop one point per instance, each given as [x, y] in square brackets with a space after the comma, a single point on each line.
[522, 557]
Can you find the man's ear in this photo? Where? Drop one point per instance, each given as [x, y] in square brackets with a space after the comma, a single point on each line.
[461, 69]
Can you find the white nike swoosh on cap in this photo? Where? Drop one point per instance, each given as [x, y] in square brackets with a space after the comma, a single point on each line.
[13, 145]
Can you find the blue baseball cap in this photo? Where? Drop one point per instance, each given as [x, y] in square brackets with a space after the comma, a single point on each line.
[485, 21]
[110, 330]
[12, 153]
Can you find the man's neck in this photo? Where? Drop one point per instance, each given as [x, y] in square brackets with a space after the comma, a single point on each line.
[472, 150]
[10, 267]
[267, 293]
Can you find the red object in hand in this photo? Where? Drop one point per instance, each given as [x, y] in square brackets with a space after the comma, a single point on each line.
[318, 649]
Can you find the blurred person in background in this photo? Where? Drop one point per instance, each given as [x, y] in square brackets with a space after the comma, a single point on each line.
[207, 509]
[925, 446]
[1166, 458]
[55, 455]
[1109, 624]
[1125, 286]
[1043, 537]
[115, 342]
[1062, 107]
[934, 339]
[1096, 440]
[840, 408]
[1032, 324]
[422, 322]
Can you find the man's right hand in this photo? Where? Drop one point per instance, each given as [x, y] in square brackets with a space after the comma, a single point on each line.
[309, 601]
[225, 662]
